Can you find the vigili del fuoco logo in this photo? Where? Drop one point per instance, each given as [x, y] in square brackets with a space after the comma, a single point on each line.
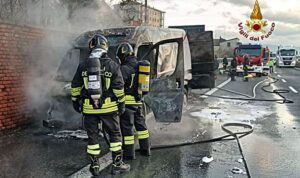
[256, 28]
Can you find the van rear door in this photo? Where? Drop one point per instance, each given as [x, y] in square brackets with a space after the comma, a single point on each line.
[166, 94]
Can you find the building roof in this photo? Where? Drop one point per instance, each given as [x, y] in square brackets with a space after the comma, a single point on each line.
[233, 39]
[222, 40]
[218, 41]
[138, 3]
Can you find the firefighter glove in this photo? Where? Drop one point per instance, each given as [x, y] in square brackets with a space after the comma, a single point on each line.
[121, 108]
[76, 106]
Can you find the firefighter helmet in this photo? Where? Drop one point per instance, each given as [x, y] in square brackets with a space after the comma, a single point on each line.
[98, 41]
[124, 50]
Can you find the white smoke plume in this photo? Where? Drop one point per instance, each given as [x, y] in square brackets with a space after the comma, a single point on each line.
[60, 24]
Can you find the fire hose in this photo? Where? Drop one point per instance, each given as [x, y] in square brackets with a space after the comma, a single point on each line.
[237, 135]
[231, 134]
[278, 92]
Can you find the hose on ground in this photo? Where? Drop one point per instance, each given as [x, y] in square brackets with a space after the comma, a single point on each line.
[230, 136]
[278, 92]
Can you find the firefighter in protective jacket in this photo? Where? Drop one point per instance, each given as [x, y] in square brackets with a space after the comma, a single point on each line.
[98, 93]
[134, 115]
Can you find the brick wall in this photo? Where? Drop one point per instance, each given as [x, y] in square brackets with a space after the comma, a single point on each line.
[15, 60]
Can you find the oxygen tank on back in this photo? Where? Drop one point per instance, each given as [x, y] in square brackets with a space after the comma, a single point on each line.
[144, 77]
[94, 82]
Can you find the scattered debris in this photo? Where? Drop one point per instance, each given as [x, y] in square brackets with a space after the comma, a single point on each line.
[237, 170]
[207, 159]
[213, 107]
[240, 160]
[80, 134]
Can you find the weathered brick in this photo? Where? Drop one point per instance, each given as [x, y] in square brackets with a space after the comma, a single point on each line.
[16, 44]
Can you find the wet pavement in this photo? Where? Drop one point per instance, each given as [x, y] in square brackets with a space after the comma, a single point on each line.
[272, 150]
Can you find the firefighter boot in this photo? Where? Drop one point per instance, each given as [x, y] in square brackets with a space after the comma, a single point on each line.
[95, 165]
[128, 152]
[118, 166]
[145, 147]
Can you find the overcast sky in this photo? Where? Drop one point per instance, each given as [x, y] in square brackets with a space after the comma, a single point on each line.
[223, 16]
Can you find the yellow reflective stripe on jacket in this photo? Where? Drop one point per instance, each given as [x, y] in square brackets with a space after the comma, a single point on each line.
[107, 82]
[129, 140]
[107, 107]
[121, 100]
[107, 103]
[99, 111]
[85, 81]
[119, 93]
[115, 146]
[143, 134]
[93, 149]
[132, 80]
[75, 91]
[130, 100]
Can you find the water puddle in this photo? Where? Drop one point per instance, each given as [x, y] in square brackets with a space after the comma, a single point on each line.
[241, 111]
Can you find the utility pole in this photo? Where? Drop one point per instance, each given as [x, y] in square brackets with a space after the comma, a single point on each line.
[146, 12]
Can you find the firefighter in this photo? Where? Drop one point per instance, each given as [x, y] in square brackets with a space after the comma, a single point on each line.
[134, 115]
[225, 63]
[233, 65]
[246, 65]
[271, 65]
[99, 86]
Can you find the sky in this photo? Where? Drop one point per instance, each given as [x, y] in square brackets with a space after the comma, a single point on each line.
[223, 17]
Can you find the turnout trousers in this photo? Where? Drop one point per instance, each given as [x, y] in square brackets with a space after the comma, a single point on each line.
[110, 123]
[134, 117]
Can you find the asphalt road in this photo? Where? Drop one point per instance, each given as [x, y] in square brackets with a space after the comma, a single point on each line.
[272, 150]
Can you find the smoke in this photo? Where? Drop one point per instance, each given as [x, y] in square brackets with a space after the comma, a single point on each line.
[61, 23]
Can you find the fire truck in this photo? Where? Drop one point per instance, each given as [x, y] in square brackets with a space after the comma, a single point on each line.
[256, 55]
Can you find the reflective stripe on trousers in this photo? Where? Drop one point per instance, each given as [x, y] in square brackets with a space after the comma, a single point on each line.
[143, 134]
[115, 146]
[128, 140]
[94, 149]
